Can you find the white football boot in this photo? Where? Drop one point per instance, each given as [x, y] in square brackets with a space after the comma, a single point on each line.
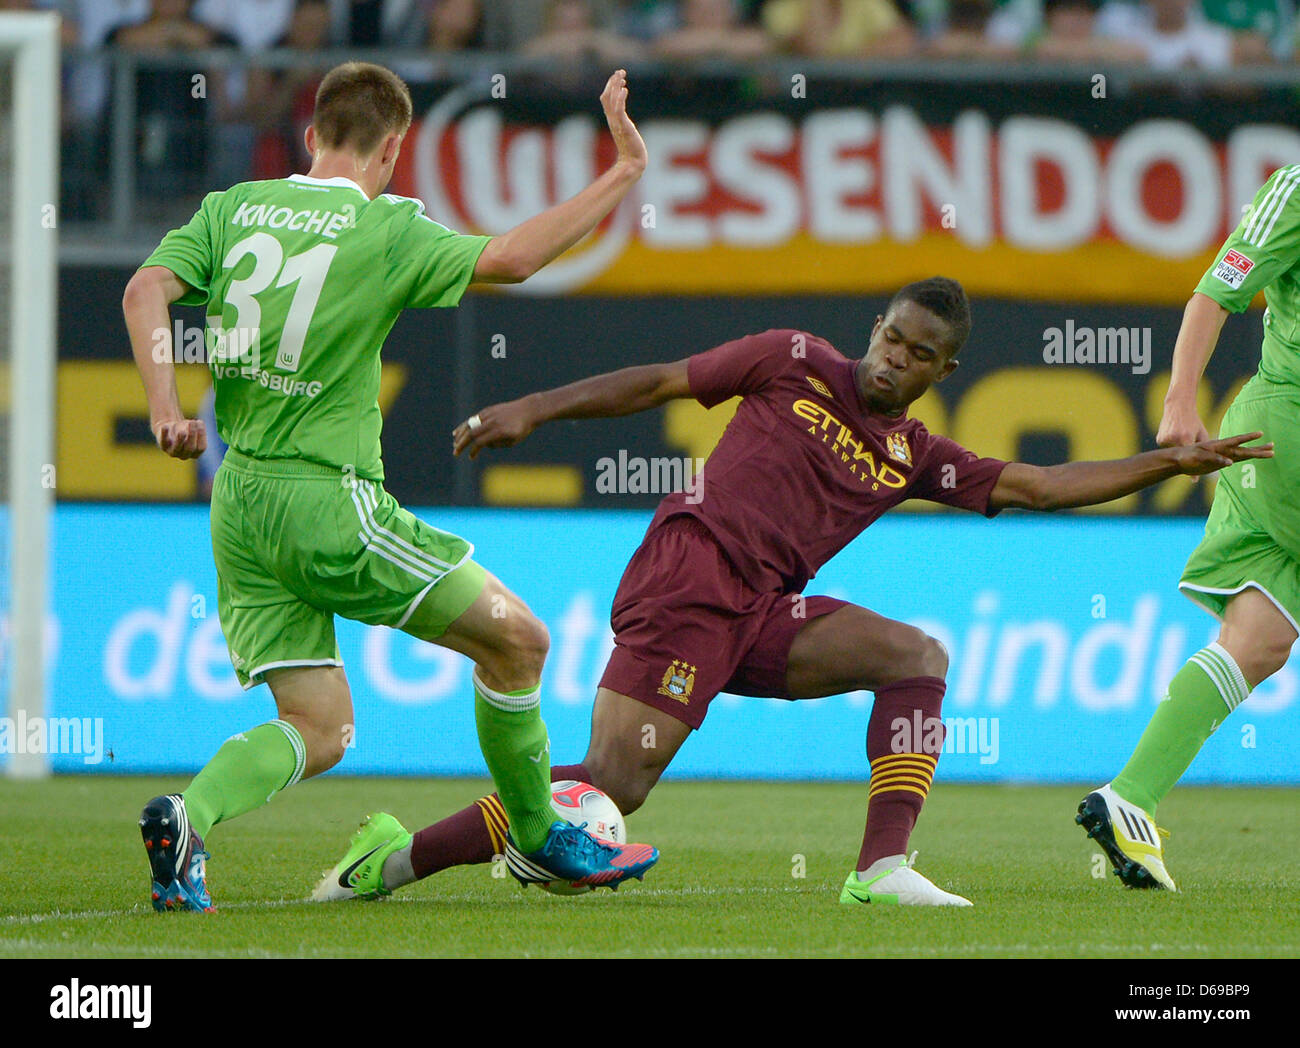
[893, 882]
[1129, 837]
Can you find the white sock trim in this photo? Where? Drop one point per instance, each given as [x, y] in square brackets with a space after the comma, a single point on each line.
[508, 703]
[299, 750]
[1226, 674]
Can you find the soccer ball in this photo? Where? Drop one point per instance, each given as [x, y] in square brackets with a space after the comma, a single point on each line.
[578, 802]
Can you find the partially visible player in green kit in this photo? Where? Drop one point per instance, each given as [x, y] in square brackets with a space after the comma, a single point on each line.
[303, 278]
[1246, 571]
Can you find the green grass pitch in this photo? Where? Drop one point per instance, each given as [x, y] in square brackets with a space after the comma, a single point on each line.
[73, 879]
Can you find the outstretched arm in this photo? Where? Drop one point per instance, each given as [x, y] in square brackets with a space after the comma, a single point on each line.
[518, 254]
[1087, 483]
[623, 392]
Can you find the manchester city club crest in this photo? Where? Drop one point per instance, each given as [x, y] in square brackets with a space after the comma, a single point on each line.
[896, 445]
[678, 682]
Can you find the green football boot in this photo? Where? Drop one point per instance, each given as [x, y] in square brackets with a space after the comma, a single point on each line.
[359, 874]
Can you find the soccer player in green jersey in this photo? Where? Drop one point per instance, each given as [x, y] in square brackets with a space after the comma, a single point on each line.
[302, 279]
[1246, 571]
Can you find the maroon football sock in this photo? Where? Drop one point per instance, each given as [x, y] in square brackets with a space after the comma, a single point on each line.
[474, 834]
[904, 739]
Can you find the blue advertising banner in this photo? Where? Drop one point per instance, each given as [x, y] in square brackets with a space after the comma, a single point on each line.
[1062, 633]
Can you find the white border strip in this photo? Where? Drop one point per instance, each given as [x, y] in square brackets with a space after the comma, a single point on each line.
[285, 664]
[1252, 584]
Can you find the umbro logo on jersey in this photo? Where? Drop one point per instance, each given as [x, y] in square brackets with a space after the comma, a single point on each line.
[820, 387]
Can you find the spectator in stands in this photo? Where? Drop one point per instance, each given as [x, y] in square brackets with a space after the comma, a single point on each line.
[712, 29]
[455, 25]
[1170, 34]
[1070, 35]
[839, 28]
[378, 23]
[173, 103]
[253, 24]
[168, 26]
[1263, 30]
[1015, 23]
[287, 97]
[83, 155]
[964, 32]
[571, 32]
[646, 20]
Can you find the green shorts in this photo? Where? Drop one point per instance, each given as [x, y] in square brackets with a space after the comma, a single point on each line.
[1252, 535]
[297, 543]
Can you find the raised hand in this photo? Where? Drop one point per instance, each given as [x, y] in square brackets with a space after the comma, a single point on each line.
[631, 149]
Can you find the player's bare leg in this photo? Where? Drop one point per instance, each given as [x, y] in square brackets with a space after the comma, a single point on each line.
[853, 648]
[1257, 635]
[503, 638]
[1254, 643]
[631, 745]
[250, 768]
[318, 702]
[508, 645]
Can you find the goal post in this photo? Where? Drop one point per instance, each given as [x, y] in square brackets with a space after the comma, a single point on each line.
[29, 144]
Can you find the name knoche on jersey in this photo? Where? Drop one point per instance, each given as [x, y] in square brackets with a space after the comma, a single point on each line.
[324, 223]
[840, 439]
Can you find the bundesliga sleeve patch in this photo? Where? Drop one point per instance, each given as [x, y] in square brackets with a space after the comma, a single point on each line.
[1232, 269]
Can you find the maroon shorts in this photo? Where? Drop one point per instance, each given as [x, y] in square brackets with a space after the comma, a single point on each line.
[687, 626]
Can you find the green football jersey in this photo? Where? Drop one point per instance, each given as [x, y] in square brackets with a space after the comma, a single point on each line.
[1263, 254]
[302, 279]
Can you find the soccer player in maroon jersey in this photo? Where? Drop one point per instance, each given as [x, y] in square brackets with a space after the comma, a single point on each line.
[820, 446]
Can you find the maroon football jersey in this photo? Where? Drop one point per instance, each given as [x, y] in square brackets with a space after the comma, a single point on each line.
[804, 466]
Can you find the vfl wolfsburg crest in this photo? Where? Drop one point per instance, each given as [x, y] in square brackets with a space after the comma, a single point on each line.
[678, 682]
[896, 445]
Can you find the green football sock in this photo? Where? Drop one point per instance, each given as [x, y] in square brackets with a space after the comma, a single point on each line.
[512, 736]
[248, 770]
[1202, 694]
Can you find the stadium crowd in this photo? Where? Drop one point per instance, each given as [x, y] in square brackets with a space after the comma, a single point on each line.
[1166, 34]
[246, 122]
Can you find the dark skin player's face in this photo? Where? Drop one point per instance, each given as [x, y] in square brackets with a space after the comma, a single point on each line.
[908, 352]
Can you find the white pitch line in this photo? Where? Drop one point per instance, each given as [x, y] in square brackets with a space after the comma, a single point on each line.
[22, 919]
